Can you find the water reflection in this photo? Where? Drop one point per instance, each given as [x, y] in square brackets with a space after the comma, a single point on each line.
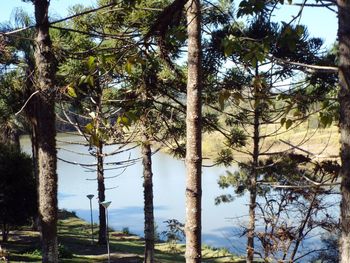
[126, 193]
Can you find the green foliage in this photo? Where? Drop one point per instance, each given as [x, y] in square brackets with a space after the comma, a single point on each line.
[36, 252]
[173, 234]
[254, 7]
[225, 198]
[225, 157]
[179, 150]
[249, 7]
[17, 186]
[63, 252]
[237, 180]
[236, 138]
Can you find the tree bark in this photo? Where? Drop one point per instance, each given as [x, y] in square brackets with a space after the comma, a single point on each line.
[253, 181]
[148, 198]
[31, 113]
[344, 99]
[45, 120]
[193, 135]
[101, 195]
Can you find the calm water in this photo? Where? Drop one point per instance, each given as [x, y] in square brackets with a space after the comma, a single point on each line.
[126, 193]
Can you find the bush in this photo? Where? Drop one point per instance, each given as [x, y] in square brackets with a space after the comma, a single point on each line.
[18, 200]
[64, 252]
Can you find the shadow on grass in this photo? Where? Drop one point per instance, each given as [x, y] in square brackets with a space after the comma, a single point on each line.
[74, 238]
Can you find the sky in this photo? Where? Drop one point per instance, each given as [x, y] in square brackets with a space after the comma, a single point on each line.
[58, 8]
[320, 21]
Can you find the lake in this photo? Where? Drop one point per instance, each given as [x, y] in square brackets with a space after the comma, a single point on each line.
[125, 190]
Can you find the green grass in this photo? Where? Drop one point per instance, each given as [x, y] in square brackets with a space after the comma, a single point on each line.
[74, 239]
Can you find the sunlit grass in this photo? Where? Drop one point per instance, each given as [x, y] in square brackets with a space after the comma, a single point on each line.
[321, 143]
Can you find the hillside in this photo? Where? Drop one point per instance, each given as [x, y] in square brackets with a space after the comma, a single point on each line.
[318, 143]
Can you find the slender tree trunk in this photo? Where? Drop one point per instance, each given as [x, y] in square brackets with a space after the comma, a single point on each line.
[253, 186]
[101, 195]
[344, 98]
[31, 113]
[102, 237]
[251, 226]
[46, 68]
[193, 136]
[254, 174]
[148, 198]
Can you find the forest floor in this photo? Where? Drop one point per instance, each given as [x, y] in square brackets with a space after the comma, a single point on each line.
[74, 237]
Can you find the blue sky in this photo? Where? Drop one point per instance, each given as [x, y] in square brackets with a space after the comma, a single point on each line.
[320, 21]
[57, 7]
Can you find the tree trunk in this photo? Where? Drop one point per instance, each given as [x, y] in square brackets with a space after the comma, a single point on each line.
[254, 175]
[101, 195]
[251, 226]
[31, 113]
[5, 232]
[253, 185]
[148, 198]
[193, 136]
[45, 118]
[35, 150]
[344, 99]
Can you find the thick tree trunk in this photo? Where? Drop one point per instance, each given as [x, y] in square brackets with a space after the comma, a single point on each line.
[148, 199]
[35, 153]
[193, 136]
[47, 187]
[344, 98]
[101, 196]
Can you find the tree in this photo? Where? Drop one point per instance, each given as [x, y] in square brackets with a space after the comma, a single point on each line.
[45, 119]
[148, 196]
[18, 199]
[260, 105]
[193, 135]
[21, 80]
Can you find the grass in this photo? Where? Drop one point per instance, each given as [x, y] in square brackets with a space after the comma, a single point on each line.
[322, 143]
[75, 245]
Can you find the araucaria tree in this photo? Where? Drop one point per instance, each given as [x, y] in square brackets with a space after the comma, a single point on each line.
[45, 120]
[193, 135]
[120, 78]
